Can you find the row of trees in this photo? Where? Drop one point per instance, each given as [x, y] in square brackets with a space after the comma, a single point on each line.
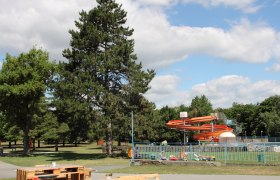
[92, 95]
[261, 119]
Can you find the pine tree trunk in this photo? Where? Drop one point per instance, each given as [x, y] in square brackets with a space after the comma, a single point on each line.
[26, 141]
[33, 142]
[56, 146]
[109, 139]
[119, 140]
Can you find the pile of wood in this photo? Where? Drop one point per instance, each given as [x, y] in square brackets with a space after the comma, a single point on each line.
[61, 172]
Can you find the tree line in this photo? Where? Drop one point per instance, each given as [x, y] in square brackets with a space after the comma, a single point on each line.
[91, 95]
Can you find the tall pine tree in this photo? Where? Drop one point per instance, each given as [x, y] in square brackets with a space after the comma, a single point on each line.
[102, 79]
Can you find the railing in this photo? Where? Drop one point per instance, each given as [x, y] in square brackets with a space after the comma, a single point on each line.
[237, 152]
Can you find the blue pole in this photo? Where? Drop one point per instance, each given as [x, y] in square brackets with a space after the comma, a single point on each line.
[132, 136]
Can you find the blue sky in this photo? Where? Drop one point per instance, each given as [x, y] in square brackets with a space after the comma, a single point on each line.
[226, 50]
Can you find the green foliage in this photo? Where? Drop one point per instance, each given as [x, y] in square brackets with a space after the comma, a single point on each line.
[200, 106]
[52, 129]
[101, 83]
[268, 120]
[166, 114]
[2, 129]
[245, 115]
[12, 133]
[257, 119]
[23, 82]
[9, 132]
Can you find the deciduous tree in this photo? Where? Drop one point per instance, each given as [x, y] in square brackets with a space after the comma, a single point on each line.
[23, 82]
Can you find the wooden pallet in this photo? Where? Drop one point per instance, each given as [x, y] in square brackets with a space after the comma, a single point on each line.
[60, 172]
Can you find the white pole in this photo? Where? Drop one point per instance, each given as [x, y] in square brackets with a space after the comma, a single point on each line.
[184, 116]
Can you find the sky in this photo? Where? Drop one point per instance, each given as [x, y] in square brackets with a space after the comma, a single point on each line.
[228, 50]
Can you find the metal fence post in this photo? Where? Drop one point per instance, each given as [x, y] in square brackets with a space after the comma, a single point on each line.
[264, 154]
[225, 153]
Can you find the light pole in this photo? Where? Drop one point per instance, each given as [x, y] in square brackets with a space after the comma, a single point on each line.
[132, 136]
[261, 134]
[245, 135]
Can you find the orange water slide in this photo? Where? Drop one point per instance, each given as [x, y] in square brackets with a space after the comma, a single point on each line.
[210, 136]
[209, 132]
[174, 123]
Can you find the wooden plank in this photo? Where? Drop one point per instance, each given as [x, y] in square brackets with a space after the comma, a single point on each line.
[68, 172]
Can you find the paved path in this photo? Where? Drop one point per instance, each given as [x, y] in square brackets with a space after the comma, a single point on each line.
[9, 171]
[100, 176]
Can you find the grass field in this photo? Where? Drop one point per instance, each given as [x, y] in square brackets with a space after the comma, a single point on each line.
[91, 155]
[85, 154]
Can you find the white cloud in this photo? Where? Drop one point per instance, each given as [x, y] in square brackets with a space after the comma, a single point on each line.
[157, 2]
[42, 23]
[159, 44]
[222, 92]
[164, 88]
[247, 6]
[274, 68]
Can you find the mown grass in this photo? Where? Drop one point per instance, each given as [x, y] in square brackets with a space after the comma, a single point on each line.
[90, 160]
[87, 154]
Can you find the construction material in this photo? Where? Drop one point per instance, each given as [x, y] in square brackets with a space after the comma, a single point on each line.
[62, 172]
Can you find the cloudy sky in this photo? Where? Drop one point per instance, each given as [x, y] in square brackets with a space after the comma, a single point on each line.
[228, 50]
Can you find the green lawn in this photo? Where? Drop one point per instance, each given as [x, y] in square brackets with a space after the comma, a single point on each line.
[85, 154]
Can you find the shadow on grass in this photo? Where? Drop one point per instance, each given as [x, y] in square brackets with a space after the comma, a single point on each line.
[71, 156]
[61, 155]
[95, 148]
[47, 152]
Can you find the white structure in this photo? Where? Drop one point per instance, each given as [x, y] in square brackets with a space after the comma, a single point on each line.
[183, 114]
[227, 137]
